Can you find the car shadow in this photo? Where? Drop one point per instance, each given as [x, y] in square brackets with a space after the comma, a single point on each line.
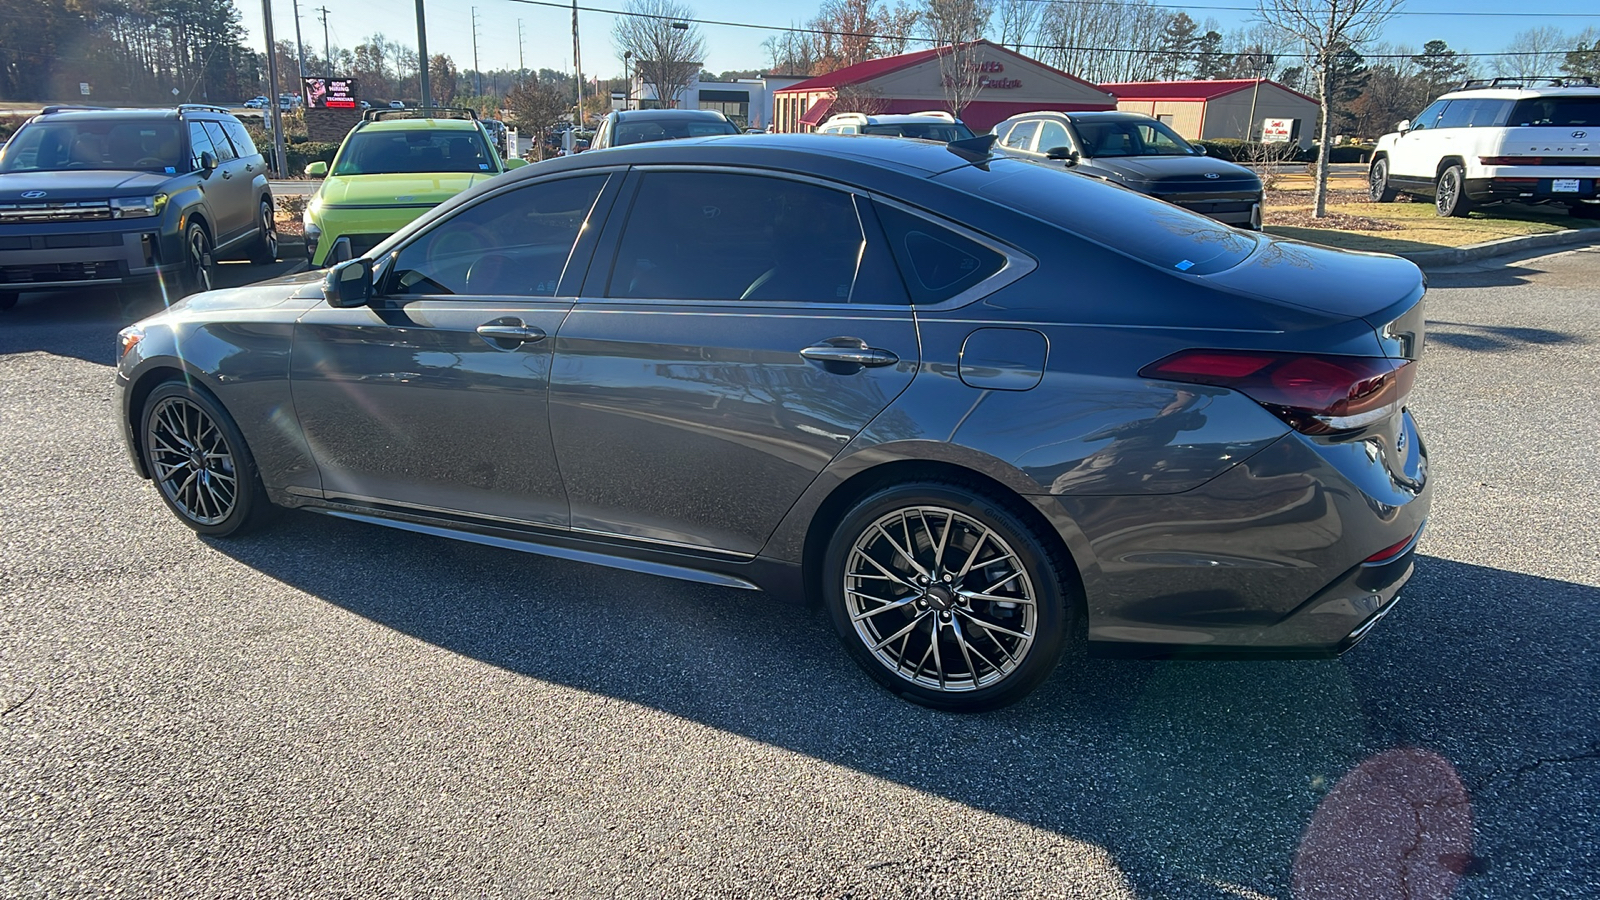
[1494, 338]
[1201, 779]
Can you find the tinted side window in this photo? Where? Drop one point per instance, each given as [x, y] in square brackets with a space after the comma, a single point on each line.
[514, 244]
[1473, 113]
[716, 236]
[1558, 111]
[199, 142]
[1021, 137]
[937, 263]
[242, 143]
[1051, 136]
[219, 140]
[1427, 117]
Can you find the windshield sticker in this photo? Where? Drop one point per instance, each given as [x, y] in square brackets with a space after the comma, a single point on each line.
[1184, 266]
[483, 166]
[172, 170]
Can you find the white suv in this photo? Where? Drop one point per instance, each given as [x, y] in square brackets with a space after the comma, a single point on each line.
[928, 126]
[1534, 141]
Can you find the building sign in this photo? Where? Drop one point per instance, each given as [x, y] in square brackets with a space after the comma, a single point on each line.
[986, 73]
[330, 93]
[1279, 131]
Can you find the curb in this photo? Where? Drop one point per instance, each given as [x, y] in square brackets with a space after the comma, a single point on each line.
[1453, 256]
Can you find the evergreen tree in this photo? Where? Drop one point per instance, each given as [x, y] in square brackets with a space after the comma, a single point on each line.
[1441, 69]
[1179, 39]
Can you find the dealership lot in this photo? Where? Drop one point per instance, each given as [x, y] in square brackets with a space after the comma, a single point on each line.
[330, 709]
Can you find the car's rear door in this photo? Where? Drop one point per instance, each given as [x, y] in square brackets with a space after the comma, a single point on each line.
[736, 331]
[434, 397]
[229, 194]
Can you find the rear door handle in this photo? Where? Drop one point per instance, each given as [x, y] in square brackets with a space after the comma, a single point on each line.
[512, 332]
[849, 351]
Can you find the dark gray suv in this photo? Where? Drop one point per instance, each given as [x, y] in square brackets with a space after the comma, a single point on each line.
[130, 196]
[961, 402]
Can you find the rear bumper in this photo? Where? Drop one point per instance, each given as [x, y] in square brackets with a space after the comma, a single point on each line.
[1538, 188]
[70, 255]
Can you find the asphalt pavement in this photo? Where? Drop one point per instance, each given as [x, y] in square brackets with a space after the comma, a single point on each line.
[327, 709]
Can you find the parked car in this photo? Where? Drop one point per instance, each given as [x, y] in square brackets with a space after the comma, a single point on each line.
[256, 103]
[638, 126]
[136, 197]
[1140, 153]
[1529, 140]
[392, 167]
[960, 401]
[927, 126]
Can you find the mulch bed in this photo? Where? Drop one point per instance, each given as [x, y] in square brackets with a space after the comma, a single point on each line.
[1294, 208]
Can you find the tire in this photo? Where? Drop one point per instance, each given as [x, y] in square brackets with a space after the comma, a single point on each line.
[984, 653]
[8, 300]
[1378, 187]
[264, 251]
[1450, 193]
[1578, 211]
[198, 460]
[199, 262]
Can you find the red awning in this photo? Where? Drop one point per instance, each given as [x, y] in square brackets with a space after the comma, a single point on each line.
[817, 113]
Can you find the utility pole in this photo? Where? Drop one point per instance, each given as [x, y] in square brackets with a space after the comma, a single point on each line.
[280, 157]
[477, 75]
[577, 65]
[520, 67]
[327, 48]
[299, 49]
[422, 56]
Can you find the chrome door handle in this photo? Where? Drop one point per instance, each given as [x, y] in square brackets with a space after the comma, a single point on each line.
[861, 355]
[522, 334]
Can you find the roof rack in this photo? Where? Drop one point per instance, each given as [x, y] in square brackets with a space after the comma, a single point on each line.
[48, 110]
[1537, 80]
[378, 113]
[205, 107]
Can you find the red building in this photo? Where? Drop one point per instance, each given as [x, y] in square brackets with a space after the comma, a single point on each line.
[914, 82]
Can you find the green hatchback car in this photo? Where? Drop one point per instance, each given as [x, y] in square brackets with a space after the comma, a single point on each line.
[393, 167]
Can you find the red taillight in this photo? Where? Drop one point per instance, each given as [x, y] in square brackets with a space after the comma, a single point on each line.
[1511, 160]
[1314, 394]
[1390, 552]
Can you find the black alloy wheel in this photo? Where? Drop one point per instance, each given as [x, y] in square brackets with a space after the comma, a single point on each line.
[1450, 195]
[1378, 188]
[265, 249]
[947, 598]
[198, 461]
[199, 262]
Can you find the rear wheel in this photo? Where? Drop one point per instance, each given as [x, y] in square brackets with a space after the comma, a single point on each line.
[1378, 188]
[1578, 210]
[198, 460]
[945, 597]
[265, 249]
[198, 260]
[1450, 193]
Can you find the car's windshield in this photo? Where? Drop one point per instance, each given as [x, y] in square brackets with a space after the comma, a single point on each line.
[927, 131]
[397, 152]
[1130, 138]
[670, 129]
[153, 145]
[1561, 112]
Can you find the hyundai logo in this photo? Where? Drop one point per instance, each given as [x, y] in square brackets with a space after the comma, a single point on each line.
[32, 195]
[1212, 175]
[1580, 135]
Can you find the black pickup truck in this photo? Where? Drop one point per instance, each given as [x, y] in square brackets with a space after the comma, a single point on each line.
[145, 197]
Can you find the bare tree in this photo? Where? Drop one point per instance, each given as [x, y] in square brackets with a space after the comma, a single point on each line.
[1327, 28]
[667, 47]
[956, 27]
[859, 98]
[1537, 51]
[1019, 21]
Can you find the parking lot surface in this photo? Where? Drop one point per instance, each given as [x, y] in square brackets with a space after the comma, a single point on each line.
[326, 709]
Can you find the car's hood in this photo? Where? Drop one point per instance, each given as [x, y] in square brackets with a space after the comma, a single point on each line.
[1157, 169]
[78, 184]
[305, 287]
[396, 190]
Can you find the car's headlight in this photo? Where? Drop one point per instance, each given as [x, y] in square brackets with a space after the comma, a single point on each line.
[127, 339]
[138, 207]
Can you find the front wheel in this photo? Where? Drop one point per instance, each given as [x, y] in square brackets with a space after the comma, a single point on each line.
[946, 597]
[198, 460]
[1450, 193]
[1378, 187]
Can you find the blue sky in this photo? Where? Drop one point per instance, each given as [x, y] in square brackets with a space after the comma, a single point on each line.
[548, 31]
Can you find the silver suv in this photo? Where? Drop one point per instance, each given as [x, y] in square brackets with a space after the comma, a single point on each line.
[1533, 141]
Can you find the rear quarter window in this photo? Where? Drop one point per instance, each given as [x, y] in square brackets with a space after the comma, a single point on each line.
[1560, 112]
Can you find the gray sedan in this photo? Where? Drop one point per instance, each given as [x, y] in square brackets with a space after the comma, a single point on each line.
[962, 402]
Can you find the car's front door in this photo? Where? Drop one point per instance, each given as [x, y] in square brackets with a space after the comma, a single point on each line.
[1415, 154]
[736, 331]
[435, 396]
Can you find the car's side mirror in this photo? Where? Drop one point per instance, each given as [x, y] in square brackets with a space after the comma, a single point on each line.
[1403, 126]
[317, 169]
[1200, 149]
[515, 163]
[349, 284]
[208, 161]
[1065, 154]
